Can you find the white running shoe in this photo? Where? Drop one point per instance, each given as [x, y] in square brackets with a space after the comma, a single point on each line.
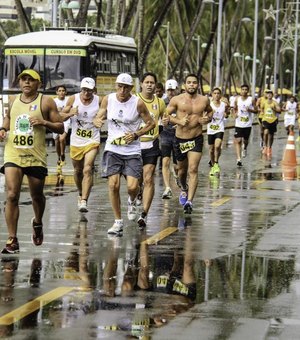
[117, 228]
[244, 153]
[167, 193]
[83, 206]
[131, 212]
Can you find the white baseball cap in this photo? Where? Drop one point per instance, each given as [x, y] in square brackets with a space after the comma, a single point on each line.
[124, 78]
[171, 84]
[88, 83]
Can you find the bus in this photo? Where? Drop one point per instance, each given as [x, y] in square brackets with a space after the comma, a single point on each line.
[64, 57]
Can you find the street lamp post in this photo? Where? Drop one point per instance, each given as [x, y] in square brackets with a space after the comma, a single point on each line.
[219, 40]
[254, 49]
[167, 26]
[198, 50]
[276, 48]
[296, 49]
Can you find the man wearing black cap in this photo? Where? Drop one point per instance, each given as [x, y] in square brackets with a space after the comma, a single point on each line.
[29, 115]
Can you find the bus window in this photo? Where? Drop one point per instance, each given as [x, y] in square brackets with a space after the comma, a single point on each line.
[16, 60]
[61, 70]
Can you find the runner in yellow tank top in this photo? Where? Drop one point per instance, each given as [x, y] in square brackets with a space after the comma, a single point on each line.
[270, 108]
[30, 114]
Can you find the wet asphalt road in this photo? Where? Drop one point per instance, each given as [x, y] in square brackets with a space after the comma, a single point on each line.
[228, 271]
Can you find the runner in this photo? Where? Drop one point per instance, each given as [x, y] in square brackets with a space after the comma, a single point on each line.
[270, 108]
[291, 114]
[122, 154]
[60, 140]
[192, 111]
[167, 141]
[259, 103]
[243, 111]
[215, 129]
[149, 142]
[29, 115]
[82, 108]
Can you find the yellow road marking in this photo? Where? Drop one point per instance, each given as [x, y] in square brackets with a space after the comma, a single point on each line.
[33, 305]
[258, 182]
[159, 236]
[221, 201]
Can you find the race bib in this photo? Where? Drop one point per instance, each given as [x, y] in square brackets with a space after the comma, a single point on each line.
[290, 113]
[162, 281]
[119, 141]
[84, 133]
[187, 146]
[180, 288]
[23, 133]
[244, 119]
[214, 127]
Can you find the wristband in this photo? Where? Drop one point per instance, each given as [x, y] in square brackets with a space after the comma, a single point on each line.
[3, 128]
[135, 136]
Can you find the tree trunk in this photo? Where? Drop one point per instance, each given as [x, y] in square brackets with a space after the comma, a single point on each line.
[140, 27]
[128, 17]
[157, 21]
[108, 15]
[81, 18]
[25, 25]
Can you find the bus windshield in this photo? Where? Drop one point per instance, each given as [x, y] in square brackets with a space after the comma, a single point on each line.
[56, 67]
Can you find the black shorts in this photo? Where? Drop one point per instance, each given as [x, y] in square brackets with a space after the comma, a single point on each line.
[272, 127]
[242, 132]
[211, 138]
[150, 156]
[184, 146]
[39, 172]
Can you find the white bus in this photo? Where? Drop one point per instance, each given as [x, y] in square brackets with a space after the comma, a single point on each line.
[64, 57]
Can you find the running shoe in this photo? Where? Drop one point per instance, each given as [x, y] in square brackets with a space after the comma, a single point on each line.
[78, 201]
[244, 153]
[210, 163]
[11, 247]
[239, 163]
[139, 197]
[188, 207]
[217, 169]
[131, 212]
[183, 197]
[142, 220]
[82, 207]
[37, 236]
[167, 193]
[117, 228]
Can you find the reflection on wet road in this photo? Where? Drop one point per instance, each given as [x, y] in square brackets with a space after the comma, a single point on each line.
[228, 271]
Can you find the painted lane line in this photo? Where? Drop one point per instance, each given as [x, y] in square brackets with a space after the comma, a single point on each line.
[161, 235]
[29, 307]
[221, 201]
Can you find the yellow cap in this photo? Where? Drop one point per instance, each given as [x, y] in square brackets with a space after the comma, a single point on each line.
[32, 73]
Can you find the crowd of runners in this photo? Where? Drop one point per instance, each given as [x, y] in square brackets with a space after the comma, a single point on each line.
[158, 125]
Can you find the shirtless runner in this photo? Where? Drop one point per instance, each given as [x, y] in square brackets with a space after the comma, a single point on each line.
[192, 112]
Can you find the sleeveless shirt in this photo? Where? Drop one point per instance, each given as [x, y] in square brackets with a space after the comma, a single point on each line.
[26, 143]
[244, 118]
[122, 117]
[218, 120]
[84, 131]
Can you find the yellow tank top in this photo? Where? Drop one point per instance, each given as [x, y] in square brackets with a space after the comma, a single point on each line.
[156, 107]
[262, 101]
[26, 144]
[269, 112]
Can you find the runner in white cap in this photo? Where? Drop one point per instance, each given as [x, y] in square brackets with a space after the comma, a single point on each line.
[82, 108]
